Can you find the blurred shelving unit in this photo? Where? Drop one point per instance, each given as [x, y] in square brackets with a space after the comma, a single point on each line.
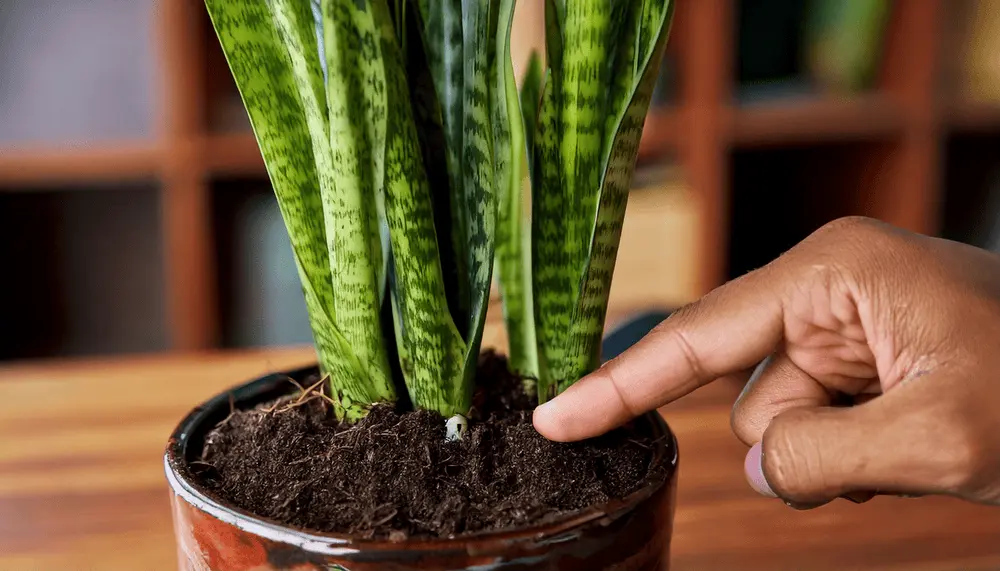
[766, 160]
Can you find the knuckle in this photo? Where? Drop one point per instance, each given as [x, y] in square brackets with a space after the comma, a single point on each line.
[848, 238]
[962, 462]
[851, 225]
[673, 333]
[614, 378]
[854, 249]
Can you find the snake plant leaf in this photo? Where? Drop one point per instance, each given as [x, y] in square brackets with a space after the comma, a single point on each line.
[555, 18]
[434, 145]
[587, 48]
[346, 192]
[625, 123]
[468, 45]
[356, 111]
[444, 49]
[630, 47]
[431, 350]
[567, 211]
[486, 149]
[530, 96]
[248, 32]
[553, 276]
[514, 229]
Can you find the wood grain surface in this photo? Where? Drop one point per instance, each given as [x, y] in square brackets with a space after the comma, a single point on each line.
[82, 488]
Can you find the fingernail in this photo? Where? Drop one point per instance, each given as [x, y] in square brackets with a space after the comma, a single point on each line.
[858, 497]
[755, 472]
[545, 409]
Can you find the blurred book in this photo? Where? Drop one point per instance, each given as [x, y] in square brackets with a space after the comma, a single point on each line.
[979, 50]
[796, 48]
[842, 42]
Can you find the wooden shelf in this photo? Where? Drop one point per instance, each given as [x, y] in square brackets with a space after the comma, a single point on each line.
[815, 120]
[972, 116]
[232, 154]
[40, 167]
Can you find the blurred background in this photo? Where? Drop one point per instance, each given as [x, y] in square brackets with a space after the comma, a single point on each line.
[136, 215]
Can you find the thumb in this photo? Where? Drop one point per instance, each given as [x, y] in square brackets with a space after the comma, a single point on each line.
[810, 456]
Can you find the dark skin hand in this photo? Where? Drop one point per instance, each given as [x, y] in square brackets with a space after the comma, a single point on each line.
[901, 328]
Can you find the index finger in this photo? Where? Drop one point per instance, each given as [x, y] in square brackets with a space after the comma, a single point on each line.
[728, 331]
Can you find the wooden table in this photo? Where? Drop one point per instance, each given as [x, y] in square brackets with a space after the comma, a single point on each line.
[82, 488]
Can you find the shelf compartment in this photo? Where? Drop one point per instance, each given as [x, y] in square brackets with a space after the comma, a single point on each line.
[778, 199]
[84, 272]
[970, 116]
[260, 293]
[793, 121]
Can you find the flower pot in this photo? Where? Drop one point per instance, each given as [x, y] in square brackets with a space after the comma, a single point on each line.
[629, 534]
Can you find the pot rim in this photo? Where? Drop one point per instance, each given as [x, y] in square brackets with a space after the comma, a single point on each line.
[196, 422]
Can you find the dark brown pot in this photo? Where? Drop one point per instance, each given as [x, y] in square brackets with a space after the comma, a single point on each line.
[628, 535]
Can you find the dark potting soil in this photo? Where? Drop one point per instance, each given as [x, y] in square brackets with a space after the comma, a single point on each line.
[393, 475]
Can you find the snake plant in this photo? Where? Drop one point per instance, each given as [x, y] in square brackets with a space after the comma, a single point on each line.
[397, 142]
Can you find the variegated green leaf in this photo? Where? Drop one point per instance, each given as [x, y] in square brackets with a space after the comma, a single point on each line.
[264, 72]
[514, 229]
[569, 209]
[635, 39]
[356, 109]
[363, 380]
[468, 50]
[555, 19]
[430, 347]
[434, 145]
[444, 48]
[554, 278]
[626, 120]
[530, 98]
[587, 48]
[485, 151]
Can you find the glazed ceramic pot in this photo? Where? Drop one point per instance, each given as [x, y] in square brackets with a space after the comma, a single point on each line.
[632, 534]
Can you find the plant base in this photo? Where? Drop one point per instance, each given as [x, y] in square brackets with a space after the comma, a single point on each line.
[391, 485]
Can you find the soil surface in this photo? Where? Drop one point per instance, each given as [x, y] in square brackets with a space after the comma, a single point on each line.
[393, 475]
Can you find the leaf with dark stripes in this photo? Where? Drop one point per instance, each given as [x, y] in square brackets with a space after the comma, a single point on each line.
[444, 49]
[356, 109]
[513, 245]
[530, 98]
[514, 228]
[485, 132]
[625, 124]
[434, 146]
[263, 70]
[568, 210]
[431, 350]
[555, 20]
[554, 278]
[628, 45]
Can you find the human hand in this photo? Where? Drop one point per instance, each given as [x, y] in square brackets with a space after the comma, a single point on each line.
[903, 328]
